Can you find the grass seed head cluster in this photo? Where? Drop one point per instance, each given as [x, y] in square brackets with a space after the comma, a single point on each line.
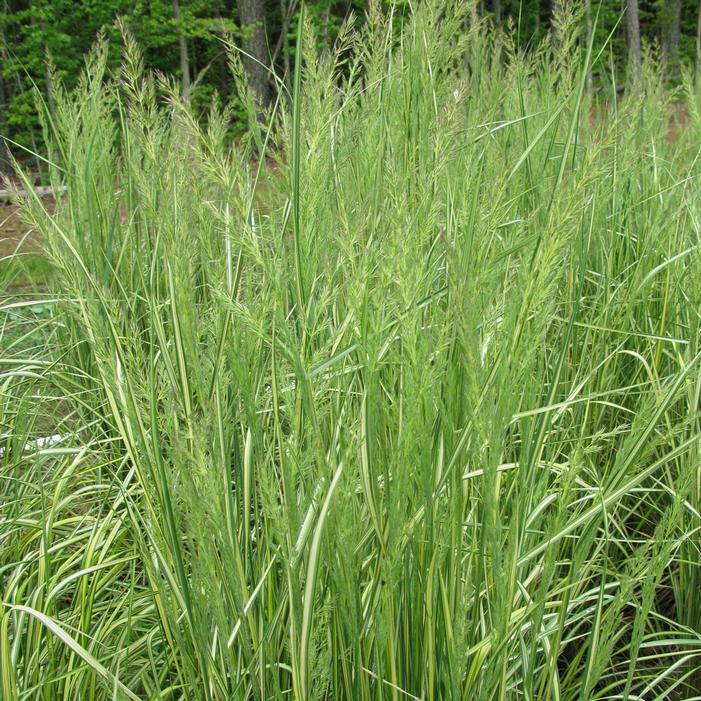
[395, 398]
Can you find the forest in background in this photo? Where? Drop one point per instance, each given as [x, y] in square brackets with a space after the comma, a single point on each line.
[44, 41]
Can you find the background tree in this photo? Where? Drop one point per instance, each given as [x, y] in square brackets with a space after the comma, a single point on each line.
[5, 164]
[182, 38]
[182, 47]
[4, 151]
[670, 26]
[254, 42]
[633, 37]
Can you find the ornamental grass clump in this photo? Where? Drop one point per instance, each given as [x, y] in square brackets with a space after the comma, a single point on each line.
[396, 397]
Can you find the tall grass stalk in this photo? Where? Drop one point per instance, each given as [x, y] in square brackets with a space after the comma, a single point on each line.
[397, 397]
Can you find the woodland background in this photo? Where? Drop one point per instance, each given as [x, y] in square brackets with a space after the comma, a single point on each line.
[44, 41]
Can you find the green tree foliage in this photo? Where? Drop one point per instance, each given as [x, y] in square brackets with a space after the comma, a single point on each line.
[63, 31]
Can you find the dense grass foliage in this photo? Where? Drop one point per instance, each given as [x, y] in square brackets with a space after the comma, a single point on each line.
[396, 399]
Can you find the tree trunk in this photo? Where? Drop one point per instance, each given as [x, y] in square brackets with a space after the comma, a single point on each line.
[285, 13]
[497, 12]
[255, 46]
[6, 170]
[633, 37]
[184, 57]
[283, 44]
[5, 161]
[671, 15]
